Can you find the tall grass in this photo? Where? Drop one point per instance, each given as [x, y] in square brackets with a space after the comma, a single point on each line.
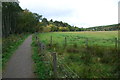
[98, 60]
[40, 68]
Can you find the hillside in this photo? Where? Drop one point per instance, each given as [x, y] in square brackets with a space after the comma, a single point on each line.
[104, 28]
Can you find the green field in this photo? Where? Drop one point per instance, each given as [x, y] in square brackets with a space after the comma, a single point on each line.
[87, 54]
[105, 38]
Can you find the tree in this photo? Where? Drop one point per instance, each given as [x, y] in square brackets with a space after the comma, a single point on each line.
[28, 21]
[45, 21]
[46, 29]
[39, 27]
[10, 12]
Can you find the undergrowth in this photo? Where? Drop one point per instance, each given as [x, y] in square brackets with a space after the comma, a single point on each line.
[41, 69]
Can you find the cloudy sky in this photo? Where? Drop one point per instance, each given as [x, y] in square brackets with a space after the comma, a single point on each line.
[80, 13]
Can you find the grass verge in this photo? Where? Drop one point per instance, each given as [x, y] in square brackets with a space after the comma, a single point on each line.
[10, 44]
[41, 69]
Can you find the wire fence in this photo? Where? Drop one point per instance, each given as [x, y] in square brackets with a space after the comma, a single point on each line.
[70, 40]
[62, 70]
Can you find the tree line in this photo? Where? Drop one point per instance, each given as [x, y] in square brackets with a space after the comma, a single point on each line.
[113, 27]
[15, 20]
[54, 26]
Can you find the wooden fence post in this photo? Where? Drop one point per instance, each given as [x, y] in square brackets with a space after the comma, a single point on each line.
[36, 37]
[54, 64]
[119, 44]
[87, 43]
[116, 43]
[51, 41]
[38, 47]
[42, 48]
[65, 41]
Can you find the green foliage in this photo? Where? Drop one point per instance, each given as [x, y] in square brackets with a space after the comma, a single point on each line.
[9, 17]
[16, 20]
[45, 21]
[28, 21]
[46, 29]
[41, 69]
[55, 26]
[39, 27]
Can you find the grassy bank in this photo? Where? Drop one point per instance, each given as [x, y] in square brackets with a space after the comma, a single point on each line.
[40, 68]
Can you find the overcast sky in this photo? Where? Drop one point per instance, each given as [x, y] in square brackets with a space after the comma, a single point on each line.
[80, 13]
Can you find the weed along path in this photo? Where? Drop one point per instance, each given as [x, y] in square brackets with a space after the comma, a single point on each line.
[21, 64]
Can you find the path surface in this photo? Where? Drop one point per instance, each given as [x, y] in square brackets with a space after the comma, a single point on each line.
[21, 64]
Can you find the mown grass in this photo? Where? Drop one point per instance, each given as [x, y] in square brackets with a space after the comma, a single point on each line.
[10, 44]
[98, 60]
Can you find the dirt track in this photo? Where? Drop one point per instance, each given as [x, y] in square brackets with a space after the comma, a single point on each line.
[21, 64]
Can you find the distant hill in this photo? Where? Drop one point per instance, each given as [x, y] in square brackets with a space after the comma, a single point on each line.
[104, 28]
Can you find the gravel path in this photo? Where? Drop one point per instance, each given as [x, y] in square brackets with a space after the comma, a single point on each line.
[21, 64]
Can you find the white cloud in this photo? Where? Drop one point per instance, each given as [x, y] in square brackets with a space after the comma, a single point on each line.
[81, 13]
